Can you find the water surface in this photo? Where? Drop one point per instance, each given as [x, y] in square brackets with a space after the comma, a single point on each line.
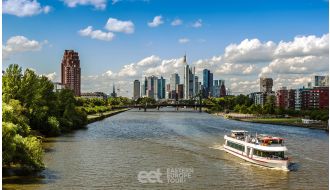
[111, 153]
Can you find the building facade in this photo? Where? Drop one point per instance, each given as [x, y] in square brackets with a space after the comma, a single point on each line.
[161, 88]
[71, 71]
[207, 83]
[136, 90]
[266, 85]
[282, 98]
[189, 80]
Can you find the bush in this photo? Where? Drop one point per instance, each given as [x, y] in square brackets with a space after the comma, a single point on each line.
[29, 152]
[54, 126]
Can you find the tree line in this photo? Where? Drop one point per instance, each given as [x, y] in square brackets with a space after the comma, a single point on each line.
[32, 109]
[243, 104]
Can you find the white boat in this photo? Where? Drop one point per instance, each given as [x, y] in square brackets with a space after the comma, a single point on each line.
[260, 149]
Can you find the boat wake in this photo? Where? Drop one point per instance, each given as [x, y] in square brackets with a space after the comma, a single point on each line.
[318, 161]
[218, 147]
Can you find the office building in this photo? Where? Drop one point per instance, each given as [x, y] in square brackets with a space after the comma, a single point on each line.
[207, 83]
[174, 80]
[161, 88]
[189, 80]
[266, 85]
[136, 89]
[71, 71]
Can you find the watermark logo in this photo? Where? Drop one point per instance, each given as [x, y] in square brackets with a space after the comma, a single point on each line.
[173, 175]
[150, 177]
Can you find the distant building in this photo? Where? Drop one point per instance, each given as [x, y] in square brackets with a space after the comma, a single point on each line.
[168, 91]
[58, 86]
[291, 98]
[152, 87]
[207, 83]
[319, 98]
[266, 85]
[321, 80]
[71, 72]
[161, 88]
[174, 80]
[282, 98]
[113, 94]
[179, 91]
[136, 89]
[189, 80]
[90, 95]
[223, 91]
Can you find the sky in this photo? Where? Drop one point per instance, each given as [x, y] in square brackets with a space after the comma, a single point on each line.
[119, 41]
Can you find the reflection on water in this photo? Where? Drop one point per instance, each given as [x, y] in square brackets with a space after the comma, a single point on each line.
[111, 153]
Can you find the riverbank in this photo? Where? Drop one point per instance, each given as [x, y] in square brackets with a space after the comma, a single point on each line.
[99, 116]
[291, 121]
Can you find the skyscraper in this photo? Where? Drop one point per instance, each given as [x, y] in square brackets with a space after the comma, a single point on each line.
[113, 94]
[152, 87]
[207, 83]
[70, 71]
[161, 88]
[266, 85]
[174, 80]
[189, 80]
[136, 89]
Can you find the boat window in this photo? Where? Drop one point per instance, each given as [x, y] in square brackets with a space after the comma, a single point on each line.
[235, 146]
[268, 154]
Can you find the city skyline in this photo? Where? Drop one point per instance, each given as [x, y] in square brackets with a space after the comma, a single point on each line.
[287, 41]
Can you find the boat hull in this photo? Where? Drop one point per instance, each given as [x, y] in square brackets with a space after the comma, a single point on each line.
[278, 164]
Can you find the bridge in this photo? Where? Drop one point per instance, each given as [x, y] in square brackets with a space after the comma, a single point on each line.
[196, 104]
[177, 106]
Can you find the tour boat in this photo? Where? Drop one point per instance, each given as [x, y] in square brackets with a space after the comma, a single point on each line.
[260, 149]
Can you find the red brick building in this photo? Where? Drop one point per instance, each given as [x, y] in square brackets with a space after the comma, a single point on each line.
[70, 71]
[319, 98]
[282, 98]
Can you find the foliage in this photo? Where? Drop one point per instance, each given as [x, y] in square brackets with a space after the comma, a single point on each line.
[145, 100]
[29, 103]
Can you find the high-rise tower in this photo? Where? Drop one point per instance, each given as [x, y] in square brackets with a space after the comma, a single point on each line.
[70, 71]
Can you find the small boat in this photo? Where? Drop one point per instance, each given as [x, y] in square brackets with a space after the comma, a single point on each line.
[260, 149]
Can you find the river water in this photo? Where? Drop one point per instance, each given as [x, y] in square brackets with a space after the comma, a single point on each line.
[111, 153]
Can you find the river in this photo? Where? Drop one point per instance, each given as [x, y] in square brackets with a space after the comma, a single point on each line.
[111, 153]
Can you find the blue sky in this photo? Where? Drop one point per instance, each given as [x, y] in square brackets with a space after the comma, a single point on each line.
[222, 23]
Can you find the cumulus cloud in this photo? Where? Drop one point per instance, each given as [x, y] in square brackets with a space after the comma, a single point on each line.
[22, 8]
[250, 51]
[239, 65]
[116, 25]
[156, 21]
[197, 23]
[183, 40]
[304, 46]
[18, 44]
[96, 34]
[176, 22]
[51, 76]
[97, 4]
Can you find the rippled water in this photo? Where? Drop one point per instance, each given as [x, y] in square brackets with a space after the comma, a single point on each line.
[111, 153]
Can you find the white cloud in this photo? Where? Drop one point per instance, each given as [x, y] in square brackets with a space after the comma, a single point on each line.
[239, 65]
[197, 23]
[176, 22]
[183, 40]
[116, 25]
[156, 21]
[22, 8]
[236, 69]
[51, 76]
[96, 34]
[304, 46]
[97, 4]
[250, 51]
[18, 44]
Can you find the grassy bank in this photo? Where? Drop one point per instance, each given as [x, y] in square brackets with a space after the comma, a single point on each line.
[99, 116]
